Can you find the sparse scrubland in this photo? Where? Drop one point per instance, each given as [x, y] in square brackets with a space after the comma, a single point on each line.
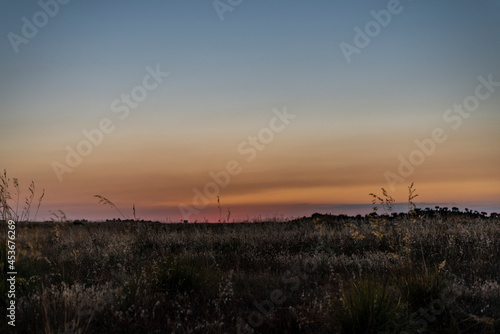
[432, 272]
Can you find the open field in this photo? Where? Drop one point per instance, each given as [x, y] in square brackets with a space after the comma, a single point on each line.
[209, 167]
[436, 274]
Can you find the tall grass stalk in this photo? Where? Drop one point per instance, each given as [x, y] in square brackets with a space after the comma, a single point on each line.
[103, 200]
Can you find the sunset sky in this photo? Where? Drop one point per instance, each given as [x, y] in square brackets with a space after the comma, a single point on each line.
[262, 94]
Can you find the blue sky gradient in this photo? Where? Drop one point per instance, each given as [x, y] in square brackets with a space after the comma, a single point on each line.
[226, 77]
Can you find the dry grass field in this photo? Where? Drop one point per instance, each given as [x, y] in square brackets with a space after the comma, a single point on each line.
[326, 274]
[434, 271]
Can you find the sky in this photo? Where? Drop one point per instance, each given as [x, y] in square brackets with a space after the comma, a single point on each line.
[279, 108]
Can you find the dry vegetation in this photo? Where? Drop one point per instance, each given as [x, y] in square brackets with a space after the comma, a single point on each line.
[434, 273]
